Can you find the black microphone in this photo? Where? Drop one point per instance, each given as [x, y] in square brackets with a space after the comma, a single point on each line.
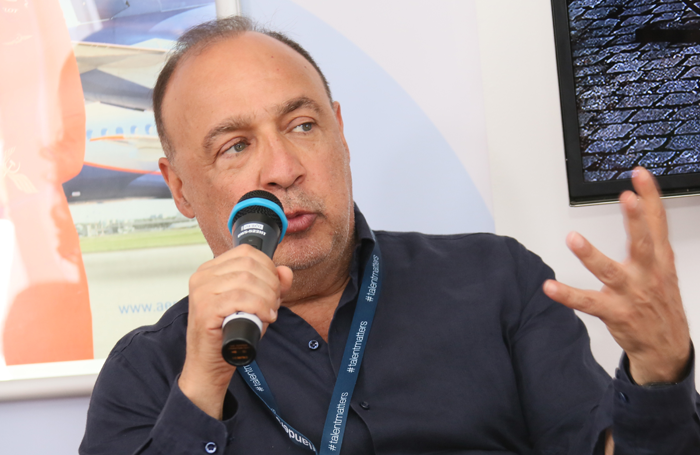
[257, 220]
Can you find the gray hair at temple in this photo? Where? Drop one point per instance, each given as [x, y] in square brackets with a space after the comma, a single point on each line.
[198, 38]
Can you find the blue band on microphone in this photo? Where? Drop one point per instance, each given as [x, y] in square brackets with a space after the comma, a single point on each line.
[263, 203]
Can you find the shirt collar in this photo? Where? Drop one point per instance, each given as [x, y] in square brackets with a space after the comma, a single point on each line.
[363, 249]
[364, 235]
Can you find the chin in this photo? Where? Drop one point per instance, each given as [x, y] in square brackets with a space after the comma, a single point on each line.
[304, 257]
[305, 251]
[322, 243]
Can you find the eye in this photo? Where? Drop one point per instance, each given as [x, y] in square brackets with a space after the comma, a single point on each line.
[304, 127]
[237, 147]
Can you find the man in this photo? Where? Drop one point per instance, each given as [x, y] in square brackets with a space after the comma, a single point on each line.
[466, 353]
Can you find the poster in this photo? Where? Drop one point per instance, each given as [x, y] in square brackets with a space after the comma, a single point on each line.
[98, 247]
[127, 252]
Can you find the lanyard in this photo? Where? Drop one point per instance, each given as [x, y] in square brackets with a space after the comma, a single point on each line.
[334, 428]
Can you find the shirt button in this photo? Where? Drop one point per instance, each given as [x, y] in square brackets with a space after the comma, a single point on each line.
[210, 447]
[313, 344]
[623, 397]
[364, 405]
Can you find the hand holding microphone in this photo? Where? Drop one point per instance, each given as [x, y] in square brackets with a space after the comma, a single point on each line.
[239, 280]
[258, 220]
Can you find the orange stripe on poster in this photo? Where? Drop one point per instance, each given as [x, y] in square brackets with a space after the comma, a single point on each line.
[121, 169]
[43, 127]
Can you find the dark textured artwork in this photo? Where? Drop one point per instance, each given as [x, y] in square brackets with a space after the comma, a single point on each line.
[637, 78]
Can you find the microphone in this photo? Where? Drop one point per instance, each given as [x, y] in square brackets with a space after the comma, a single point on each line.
[257, 220]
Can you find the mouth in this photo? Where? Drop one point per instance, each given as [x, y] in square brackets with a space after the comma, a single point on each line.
[299, 221]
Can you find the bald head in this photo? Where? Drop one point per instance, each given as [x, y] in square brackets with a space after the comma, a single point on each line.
[224, 86]
[195, 41]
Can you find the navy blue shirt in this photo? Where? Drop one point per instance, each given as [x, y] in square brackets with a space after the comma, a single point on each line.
[466, 356]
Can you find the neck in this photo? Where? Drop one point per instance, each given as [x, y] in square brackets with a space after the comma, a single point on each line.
[316, 291]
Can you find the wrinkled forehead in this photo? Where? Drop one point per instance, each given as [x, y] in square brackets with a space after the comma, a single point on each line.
[243, 75]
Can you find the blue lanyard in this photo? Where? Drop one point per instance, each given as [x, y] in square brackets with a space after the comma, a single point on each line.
[334, 428]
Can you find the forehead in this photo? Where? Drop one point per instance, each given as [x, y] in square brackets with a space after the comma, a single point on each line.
[243, 75]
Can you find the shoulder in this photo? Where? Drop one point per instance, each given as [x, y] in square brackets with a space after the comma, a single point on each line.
[161, 343]
[140, 370]
[483, 256]
[475, 244]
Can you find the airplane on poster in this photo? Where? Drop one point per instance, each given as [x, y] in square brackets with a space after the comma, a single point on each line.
[120, 47]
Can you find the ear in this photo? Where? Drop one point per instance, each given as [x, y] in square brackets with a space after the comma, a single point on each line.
[339, 119]
[176, 187]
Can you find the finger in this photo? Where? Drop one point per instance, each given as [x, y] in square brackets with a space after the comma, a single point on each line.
[261, 304]
[244, 281]
[203, 284]
[641, 243]
[589, 302]
[238, 252]
[217, 260]
[264, 270]
[611, 273]
[286, 276]
[647, 188]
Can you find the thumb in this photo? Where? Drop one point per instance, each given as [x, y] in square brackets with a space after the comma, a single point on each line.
[286, 276]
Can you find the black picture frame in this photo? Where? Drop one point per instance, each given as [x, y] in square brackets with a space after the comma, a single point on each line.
[650, 37]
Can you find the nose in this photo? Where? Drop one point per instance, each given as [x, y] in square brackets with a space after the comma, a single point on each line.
[281, 166]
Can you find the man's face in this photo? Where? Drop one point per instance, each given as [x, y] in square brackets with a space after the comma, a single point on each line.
[250, 113]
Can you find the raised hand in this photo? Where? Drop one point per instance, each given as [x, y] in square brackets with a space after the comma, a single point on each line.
[640, 301]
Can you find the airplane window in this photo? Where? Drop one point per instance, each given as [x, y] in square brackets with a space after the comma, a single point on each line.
[103, 132]
[133, 129]
[89, 134]
[148, 129]
[120, 130]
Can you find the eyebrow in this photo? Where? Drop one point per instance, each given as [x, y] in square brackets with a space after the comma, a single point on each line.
[227, 126]
[298, 103]
[240, 123]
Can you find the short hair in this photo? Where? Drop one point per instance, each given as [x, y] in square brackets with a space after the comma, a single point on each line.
[196, 39]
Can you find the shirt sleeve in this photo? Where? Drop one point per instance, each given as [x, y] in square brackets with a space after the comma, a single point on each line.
[660, 419]
[133, 413]
[569, 400]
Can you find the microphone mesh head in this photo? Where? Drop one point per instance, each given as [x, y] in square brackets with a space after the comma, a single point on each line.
[258, 208]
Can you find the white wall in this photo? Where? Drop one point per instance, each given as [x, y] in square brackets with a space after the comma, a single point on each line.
[530, 196]
[42, 427]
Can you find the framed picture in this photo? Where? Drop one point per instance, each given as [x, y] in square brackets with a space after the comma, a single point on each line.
[629, 79]
[92, 243]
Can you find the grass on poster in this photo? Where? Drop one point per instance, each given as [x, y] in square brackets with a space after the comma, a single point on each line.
[137, 240]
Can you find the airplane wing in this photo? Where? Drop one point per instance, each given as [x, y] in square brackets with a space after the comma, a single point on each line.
[122, 166]
[123, 76]
[149, 148]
